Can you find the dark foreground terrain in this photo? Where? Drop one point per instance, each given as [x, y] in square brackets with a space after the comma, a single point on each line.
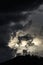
[25, 60]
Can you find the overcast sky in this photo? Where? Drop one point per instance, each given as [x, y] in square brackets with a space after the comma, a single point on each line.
[19, 22]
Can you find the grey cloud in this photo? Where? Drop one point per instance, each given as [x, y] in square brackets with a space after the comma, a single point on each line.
[32, 26]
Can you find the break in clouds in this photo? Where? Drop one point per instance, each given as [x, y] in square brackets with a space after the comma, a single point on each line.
[25, 36]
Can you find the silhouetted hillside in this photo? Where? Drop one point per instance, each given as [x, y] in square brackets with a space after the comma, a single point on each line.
[26, 60]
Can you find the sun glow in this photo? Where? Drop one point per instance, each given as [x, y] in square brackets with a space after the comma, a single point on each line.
[36, 41]
[23, 42]
[13, 42]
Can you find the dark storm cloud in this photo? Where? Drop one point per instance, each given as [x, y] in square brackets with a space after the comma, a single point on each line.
[28, 25]
[17, 27]
[6, 31]
[41, 31]
[17, 8]
[4, 35]
[5, 53]
[16, 18]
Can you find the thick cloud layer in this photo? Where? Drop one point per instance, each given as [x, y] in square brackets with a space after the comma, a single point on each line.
[29, 28]
[33, 27]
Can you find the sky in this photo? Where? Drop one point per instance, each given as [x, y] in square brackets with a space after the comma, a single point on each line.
[20, 24]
